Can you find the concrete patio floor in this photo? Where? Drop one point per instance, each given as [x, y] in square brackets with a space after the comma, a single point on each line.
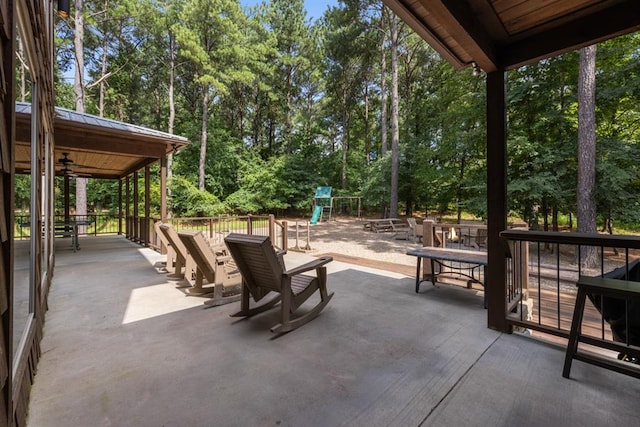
[123, 347]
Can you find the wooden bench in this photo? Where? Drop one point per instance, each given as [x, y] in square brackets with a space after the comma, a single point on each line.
[616, 288]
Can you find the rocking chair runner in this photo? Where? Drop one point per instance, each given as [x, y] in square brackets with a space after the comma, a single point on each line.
[263, 272]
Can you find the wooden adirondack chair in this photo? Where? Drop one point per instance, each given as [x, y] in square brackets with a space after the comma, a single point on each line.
[263, 272]
[213, 265]
[176, 252]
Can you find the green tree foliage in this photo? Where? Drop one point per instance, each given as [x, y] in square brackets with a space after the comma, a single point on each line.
[189, 201]
[276, 104]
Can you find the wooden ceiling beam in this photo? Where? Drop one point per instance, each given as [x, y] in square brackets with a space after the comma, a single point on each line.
[471, 33]
[408, 15]
[89, 142]
[138, 166]
[619, 19]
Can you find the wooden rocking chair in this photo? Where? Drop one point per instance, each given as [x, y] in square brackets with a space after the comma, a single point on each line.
[176, 252]
[210, 264]
[263, 272]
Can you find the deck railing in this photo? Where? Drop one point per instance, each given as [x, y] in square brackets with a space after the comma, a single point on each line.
[543, 300]
[140, 229]
[216, 228]
[97, 224]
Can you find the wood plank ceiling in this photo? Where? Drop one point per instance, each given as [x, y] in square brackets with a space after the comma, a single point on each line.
[505, 34]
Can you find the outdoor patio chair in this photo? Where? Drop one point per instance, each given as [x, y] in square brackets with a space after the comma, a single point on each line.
[263, 272]
[415, 230]
[163, 246]
[213, 265]
[475, 240]
[176, 252]
[623, 316]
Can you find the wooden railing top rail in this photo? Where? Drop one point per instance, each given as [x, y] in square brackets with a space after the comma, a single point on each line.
[456, 225]
[584, 239]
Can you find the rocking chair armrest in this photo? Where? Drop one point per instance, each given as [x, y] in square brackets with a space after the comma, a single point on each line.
[311, 265]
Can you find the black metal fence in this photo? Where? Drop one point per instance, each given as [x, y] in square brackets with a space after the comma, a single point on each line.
[541, 296]
[94, 224]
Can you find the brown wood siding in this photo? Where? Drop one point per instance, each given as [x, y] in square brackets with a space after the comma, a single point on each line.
[7, 77]
[36, 17]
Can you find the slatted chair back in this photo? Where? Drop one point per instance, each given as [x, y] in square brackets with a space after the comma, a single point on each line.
[203, 255]
[173, 239]
[263, 271]
[258, 263]
[213, 265]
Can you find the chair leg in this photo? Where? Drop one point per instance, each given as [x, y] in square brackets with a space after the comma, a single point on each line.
[296, 323]
[289, 324]
[247, 311]
[197, 288]
[219, 298]
[574, 335]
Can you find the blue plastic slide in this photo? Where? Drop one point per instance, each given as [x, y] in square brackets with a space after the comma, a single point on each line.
[317, 211]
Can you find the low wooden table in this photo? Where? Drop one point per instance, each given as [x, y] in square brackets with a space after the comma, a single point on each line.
[444, 257]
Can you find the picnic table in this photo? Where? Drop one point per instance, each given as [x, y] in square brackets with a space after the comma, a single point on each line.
[460, 262]
[70, 229]
[382, 224]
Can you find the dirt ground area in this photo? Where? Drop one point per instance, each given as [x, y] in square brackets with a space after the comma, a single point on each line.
[348, 241]
[348, 237]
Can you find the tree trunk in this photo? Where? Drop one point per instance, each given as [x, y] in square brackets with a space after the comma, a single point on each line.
[383, 84]
[172, 107]
[23, 71]
[203, 138]
[345, 137]
[367, 137]
[103, 69]
[288, 120]
[586, 211]
[395, 131]
[78, 88]
[78, 44]
[459, 189]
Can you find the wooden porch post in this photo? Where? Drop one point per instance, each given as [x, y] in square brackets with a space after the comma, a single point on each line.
[120, 206]
[147, 206]
[496, 281]
[67, 204]
[163, 188]
[136, 213]
[127, 209]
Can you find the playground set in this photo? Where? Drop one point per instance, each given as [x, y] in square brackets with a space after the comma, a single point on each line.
[324, 205]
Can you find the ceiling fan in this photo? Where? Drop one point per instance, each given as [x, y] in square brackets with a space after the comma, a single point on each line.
[67, 166]
[65, 160]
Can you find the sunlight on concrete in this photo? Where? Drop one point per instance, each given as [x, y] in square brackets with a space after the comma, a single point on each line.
[152, 256]
[157, 300]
